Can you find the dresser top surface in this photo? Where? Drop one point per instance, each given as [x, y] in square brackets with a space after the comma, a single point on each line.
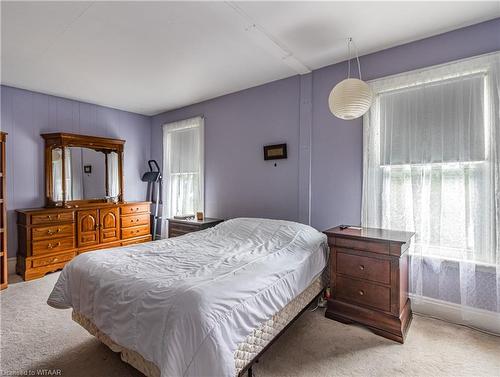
[77, 207]
[370, 234]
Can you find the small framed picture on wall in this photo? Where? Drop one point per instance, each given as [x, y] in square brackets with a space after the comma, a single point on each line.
[275, 152]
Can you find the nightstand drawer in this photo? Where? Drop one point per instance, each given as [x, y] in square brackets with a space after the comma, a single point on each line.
[363, 293]
[186, 228]
[378, 270]
[176, 233]
[376, 247]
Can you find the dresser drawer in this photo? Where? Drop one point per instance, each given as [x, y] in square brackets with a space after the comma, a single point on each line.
[52, 218]
[363, 293]
[373, 246]
[135, 220]
[135, 208]
[378, 270]
[136, 241]
[41, 262]
[52, 231]
[53, 245]
[135, 231]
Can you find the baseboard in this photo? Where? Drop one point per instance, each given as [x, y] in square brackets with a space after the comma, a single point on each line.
[11, 265]
[463, 315]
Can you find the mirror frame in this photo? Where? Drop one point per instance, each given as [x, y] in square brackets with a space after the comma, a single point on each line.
[64, 140]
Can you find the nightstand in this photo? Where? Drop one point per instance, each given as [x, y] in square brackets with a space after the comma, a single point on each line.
[178, 227]
[369, 279]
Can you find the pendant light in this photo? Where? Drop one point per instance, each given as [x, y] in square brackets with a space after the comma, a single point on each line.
[350, 98]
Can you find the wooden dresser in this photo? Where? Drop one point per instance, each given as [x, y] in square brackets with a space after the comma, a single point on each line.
[3, 215]
[178, 227]
[369, 279]
[48, 238]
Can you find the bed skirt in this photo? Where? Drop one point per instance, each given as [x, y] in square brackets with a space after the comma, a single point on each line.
[246, 351]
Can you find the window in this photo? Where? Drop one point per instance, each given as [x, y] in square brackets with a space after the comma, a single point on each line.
[183, 163]
[431, 156]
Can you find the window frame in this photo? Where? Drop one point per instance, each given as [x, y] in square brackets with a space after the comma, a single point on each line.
[169, 129]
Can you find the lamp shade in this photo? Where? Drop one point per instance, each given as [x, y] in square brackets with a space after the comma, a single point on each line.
[350, 99]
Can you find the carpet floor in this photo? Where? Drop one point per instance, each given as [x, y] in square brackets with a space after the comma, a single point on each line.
[36, 337]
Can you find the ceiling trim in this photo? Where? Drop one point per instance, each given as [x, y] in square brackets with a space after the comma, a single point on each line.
[269, 42]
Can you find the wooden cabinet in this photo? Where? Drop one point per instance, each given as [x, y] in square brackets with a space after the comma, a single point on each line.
[3, 215]
[369, 279]
[88, 231]
[98, 226]
[178, 227]
[109, 225]
[48, 238]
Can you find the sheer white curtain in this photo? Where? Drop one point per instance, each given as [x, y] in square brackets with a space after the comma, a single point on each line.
[113, 179]
[183, 164]
[76, 173]
[431, 165]
[57, 177]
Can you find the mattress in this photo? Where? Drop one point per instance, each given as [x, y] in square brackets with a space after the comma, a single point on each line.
[247, 350]
[186, 304]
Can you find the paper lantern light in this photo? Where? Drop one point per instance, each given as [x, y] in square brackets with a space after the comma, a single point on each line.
[350, 98]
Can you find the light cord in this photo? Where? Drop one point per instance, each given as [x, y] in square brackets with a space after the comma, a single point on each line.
[349, 42]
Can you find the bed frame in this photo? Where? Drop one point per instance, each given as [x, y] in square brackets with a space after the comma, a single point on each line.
[255, 360]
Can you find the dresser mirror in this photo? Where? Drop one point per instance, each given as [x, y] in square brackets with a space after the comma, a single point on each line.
[82, 169]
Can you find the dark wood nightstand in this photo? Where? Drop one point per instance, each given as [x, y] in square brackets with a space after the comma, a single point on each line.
[178, 227]
[369, 279]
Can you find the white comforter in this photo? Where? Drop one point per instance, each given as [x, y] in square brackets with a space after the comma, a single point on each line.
[185, 303]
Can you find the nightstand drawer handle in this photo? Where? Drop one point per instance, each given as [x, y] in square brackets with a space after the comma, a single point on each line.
[361, 292]
[361, 267]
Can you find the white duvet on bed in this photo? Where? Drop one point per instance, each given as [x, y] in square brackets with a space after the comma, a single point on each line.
[185, 303]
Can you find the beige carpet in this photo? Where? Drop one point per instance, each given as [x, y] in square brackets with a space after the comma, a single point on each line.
[35, 336]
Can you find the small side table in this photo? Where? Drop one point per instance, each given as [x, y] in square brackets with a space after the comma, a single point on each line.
[179, 227]
[369, 279]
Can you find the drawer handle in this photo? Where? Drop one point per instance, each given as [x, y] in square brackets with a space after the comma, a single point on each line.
[50, 246]
[361, 292]
[54, 260]
[51, 232]
[361, 267]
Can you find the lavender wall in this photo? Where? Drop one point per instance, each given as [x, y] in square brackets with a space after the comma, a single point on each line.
[25, 114]
[238, 182]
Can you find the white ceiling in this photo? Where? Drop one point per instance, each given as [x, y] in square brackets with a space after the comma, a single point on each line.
[148, 57]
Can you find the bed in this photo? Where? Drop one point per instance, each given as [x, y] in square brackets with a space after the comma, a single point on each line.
[204, 304]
